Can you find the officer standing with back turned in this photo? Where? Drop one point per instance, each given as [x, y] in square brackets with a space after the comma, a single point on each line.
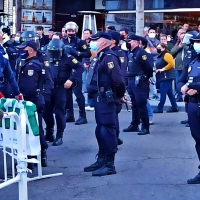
[139, 71]
[77, 48]
[190, 82]
[105, 83]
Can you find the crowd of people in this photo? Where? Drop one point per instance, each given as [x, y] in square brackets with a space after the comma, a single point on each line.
[107, 66]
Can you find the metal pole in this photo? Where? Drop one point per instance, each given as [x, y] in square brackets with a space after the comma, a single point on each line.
[139, 17]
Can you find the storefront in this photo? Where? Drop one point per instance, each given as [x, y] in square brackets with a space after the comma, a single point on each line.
[166, 15]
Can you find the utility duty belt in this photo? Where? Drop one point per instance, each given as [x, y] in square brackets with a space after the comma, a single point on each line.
[194, 99]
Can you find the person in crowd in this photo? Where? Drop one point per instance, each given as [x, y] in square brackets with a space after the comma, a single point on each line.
[79, 49]
[43, 39]
[51, 31]
[108, 28]
[178, 52]
[165, 74]
[186, 27]
[190, 86]
[12, 37]
[164, 39]
[177, 37]
[106, 84]
[64, 34]
[140, 69]
[152, 44]
[146, 31]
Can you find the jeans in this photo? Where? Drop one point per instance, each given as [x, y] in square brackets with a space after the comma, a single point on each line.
[166, 90]
[178, 74]
[84, 75]
[150, 112]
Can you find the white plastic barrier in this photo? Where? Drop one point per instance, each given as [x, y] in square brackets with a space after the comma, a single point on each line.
[19, 137]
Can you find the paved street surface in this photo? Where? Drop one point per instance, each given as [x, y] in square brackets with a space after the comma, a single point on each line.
[151, 167]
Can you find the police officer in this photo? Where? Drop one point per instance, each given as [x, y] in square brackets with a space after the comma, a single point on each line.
[139, 71]
[31, 82]
[78, 48]
[190, 81]
[105, 83]
[61, 65]
[122, 55]
[7, 75]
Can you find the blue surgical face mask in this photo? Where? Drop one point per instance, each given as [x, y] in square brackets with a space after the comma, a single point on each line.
[197, 47]
[16, 39]
[94, 46]
[24, 54]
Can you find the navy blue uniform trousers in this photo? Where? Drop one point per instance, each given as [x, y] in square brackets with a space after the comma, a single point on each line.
[106, 118]
[57, 106]
[194, 122]
[139, 95]
[40, 103]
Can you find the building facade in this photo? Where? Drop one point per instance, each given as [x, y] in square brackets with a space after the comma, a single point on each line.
[166, 15]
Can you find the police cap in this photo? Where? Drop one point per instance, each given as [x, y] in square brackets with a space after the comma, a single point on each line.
[133, 37]
[100, 34]
[196, 38]
[30, 43]
[114, 35]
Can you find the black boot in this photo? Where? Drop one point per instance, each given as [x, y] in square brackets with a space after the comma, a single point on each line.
[49, 135]
[195, 180]
[119, 141]
[82, 118]
[44, 158]
[98, 164]
[108, 168]
[58, 141]
[131, 128]
[70, 116]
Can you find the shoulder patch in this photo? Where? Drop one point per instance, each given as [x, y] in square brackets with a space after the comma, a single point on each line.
[144, 57]
[121, 59]
[46, 63]
[30, 72]
[110, 65]
[84, 46]
[75, 61]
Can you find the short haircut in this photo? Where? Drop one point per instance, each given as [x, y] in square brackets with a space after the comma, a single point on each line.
[111, 28]
[152, 28]
[51, 29]
[58, 34]
[125, 30]
[163, 35]
[39, 28]
[144, 42]
[87, 29]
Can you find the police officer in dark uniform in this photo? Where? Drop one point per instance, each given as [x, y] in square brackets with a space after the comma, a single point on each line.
[122, 55]
[139, 71]
[190, 82]
[31, 82]
[61, 65]
[78, 48]
[105, 83]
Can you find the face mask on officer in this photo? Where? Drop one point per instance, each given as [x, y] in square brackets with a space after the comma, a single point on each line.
[17, 39]
[197, 47]
[23, 54]
[94, 46]
[128, 45]
[71, 33]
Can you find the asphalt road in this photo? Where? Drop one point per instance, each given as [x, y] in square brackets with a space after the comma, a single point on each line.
[151, 167]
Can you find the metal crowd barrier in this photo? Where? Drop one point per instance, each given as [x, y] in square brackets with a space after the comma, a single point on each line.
[14, 143]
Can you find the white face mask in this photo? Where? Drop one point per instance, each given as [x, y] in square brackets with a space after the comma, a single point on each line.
[152, 35]
[197, 47]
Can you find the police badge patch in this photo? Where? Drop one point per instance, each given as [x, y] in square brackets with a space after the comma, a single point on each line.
[75, 61]
[144, 57]
[121, 59]
[84, 46]
[110, 65]
[46, 63]
[189, 69]
[30, 72]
